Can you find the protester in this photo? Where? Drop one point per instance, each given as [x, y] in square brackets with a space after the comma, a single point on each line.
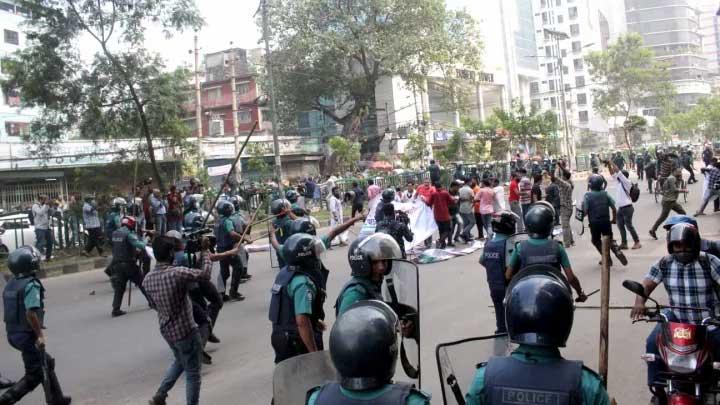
[441, 202]
[92, 226]
[707, 155]
[335, 207]
[159, 212]
[712, 188]
[174, 209]
[669, 199]
[456, 221]
[514, 200]
[357, 199]
[552, 195]
[486, 198]
[525, 191]
[476, 210]
[42, 213]
[650, 173]
[499, 202]
[564, 183]
[625, 209]
[434, 171]
[466, 203]
[536, 192]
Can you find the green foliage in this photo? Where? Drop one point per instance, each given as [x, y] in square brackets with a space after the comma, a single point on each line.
[347, 153]
[703, 118]
[257, 164]
[338, 50]
[416, 150]
[122, 92]
[453, 150]
[521, 125]
[631, 79]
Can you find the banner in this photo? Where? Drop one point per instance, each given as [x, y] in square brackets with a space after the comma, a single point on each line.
[422, 222]
[219, 170]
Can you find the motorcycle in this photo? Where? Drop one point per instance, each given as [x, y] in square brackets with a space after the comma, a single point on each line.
[690, 373]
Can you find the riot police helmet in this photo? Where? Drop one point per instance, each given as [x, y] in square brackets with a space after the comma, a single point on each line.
[119, 202]
[680, 219]
[539, 220]
[688, 238]
[376, 247]
[292, 196]
[539, 308]
[308, 225]
[279, 206]
[504, 223]
[596, 182]
[128, 221]
[303, 250]
[24, 260]
[225, 208]
[364, 345]
[236, 200]
[388, 195]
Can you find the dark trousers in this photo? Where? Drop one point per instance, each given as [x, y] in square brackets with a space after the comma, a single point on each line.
[597, 231]
[525, 209]
[624, 220]
[94, 240]
[122, 273]
[44, 241]
[667, 206]
[497, 295]
[640, 172]
[445, 231]
[692, 178]
[479, 223]
[356, 208]
[33, 359]
[289, 344]
[237, 271]
[650, 181]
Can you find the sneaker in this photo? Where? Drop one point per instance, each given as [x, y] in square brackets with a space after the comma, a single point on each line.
[236, 297]
[157, 401]
[246, 277]
[225, 297]
[637, 245]
[652, 233]
[63, 401]
[117, 313]
[699, 214]
[206, 358]
[213, 339]
[623, 246]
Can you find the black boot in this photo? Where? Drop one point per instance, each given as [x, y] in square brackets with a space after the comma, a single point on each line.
[57, 393]
[15, 393]
[5, 383]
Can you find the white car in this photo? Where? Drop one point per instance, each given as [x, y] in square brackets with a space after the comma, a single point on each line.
[16, 231]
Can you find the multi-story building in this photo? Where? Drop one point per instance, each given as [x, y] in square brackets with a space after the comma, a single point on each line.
[566, 30]
[671, 28]
[710, 32]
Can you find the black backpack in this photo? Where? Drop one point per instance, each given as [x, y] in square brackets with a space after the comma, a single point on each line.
[634, 192]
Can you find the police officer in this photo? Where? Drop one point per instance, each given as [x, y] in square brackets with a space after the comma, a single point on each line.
[396, 225]
[364, 349]
[594, 161]
[114, 217]
[292, 196]
[227, 237]
[23, 299]
[298, 294]
[241, 226]
[281, 209]
[370, 261]
[540, 249]
[388, 196]
[539, 311]
[124, 268]
[193, 219]
[493, 259]
[598, 205]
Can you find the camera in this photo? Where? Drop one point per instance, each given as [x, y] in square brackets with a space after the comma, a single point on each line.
[402, 216]
[193, 240]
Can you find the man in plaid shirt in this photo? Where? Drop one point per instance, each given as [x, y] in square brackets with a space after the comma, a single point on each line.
[712, 177]
[691, 279]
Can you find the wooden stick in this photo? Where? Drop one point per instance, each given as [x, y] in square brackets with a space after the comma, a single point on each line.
[604, 309]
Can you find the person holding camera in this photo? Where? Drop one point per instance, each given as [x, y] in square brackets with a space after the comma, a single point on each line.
[396, 225]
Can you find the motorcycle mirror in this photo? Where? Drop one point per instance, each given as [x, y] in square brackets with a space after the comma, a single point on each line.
[635, 287]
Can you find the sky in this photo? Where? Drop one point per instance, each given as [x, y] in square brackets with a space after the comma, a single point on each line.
[225, 21]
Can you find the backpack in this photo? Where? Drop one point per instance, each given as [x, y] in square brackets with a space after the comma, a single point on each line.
[634, 192]
[31, 217]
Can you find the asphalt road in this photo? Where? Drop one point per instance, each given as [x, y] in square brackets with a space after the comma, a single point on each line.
[102, 360]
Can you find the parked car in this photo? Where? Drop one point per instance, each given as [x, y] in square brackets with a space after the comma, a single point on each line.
[16, 231]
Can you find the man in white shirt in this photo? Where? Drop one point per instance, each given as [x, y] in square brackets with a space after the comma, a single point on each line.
[42, 212]
[499, 202]
[336, 214]
[625, 208]
[467, 197]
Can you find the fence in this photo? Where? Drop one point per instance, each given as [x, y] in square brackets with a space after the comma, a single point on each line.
[19, 196]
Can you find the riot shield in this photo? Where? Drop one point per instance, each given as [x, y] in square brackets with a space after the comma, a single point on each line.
[576, 223]
[457, 363]
[401, 290]
[510, 245]
[294, 377]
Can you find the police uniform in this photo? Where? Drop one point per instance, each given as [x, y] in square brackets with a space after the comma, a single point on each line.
[493, 259]
[390, 394]
[596, 205]
[282, 232]
[535, 375]
[112, 223]
[240, 225]
[398, 230]
[357, 289]
[26, 293]
[124, 264]
[225, 242]
[539, 251]
[190, 220]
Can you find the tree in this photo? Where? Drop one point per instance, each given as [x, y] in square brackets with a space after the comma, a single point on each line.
[631, 78]
[705, 117]
[521, 125]
[453, 150]
[257, 162]
[346, 152]
[416, 150]
[330, 54]
[122, 92]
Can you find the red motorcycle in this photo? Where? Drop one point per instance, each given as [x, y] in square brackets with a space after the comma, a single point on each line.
[689, 375]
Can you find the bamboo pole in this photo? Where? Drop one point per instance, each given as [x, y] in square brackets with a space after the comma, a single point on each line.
[604, 310]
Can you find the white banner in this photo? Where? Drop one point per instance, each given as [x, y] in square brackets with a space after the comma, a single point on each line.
[422, 221]
[219, 170]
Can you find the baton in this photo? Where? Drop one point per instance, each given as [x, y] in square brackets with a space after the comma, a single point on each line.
[47, 387]
[592, 293]
[129, 293]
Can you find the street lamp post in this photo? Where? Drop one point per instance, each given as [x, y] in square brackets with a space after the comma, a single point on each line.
[558, 35]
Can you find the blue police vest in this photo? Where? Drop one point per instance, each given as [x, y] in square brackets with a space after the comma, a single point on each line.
[493, 259]
[547, 253]
[14, 302]
[371, 290]
[224, 239]
[511, 381]
[598, 206]
[398, 394]
[122, 250]
[282, 308]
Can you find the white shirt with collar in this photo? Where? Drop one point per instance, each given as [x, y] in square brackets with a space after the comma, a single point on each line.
[622, 186]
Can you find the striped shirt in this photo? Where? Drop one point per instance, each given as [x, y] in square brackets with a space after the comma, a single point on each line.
[90, 216]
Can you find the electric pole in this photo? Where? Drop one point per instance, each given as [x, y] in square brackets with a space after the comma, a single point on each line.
[558, 35]
[233, 90]
[271, 90]
[198, 106]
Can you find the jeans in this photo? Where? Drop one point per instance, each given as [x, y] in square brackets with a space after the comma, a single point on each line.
[44, 241]
[650, 181]
[456, 228]
[640, 172]
[174, 224]
[487, 225]
[624, 220]
[517, 209]
[667, 206]
[186, 354]
[565, 218]
[709, 195]
[468, 224]
[73, 231]
[94, 240]
[525, 209]
[654, 368]
[356, 208]
[479, 223]
[160, 224]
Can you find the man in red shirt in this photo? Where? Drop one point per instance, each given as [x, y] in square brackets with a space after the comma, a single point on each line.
[441, 202]
[425, 191]
[175, 209]
[514, 199]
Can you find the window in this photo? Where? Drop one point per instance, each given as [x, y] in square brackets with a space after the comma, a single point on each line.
[267, 116]
[11, 37]
[534, 88]
[578, 64]
[545, 18]
[550, 68]
[243, 88]
[560, 19]
[572, 13]
[214, 93]
[582, 99]
[548, 51]
[12, 98]
[558, 2]
[244, 116]
[579, 81]
[553, 102]
[551, 85]
[16, 224]
[567, 87]
[17, 128]
[564, 53]
[536, 104]
[583, 116]
[7, 7]
[565, 70]
[217, 127]
[543, 3]
[568, 104]
[575, 29]
[576, 46]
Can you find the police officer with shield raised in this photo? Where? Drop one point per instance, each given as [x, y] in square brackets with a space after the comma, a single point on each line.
[539, 311]
[23, 299]
[364, 349]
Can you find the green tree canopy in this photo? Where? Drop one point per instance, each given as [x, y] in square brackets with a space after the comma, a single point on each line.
[339, 49]
[123, 91]
[521, 124]
[416, 150]
[630, 78]
[257, 163]
[346, 152]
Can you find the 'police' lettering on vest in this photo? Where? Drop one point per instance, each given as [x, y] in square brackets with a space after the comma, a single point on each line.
[529, 397]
